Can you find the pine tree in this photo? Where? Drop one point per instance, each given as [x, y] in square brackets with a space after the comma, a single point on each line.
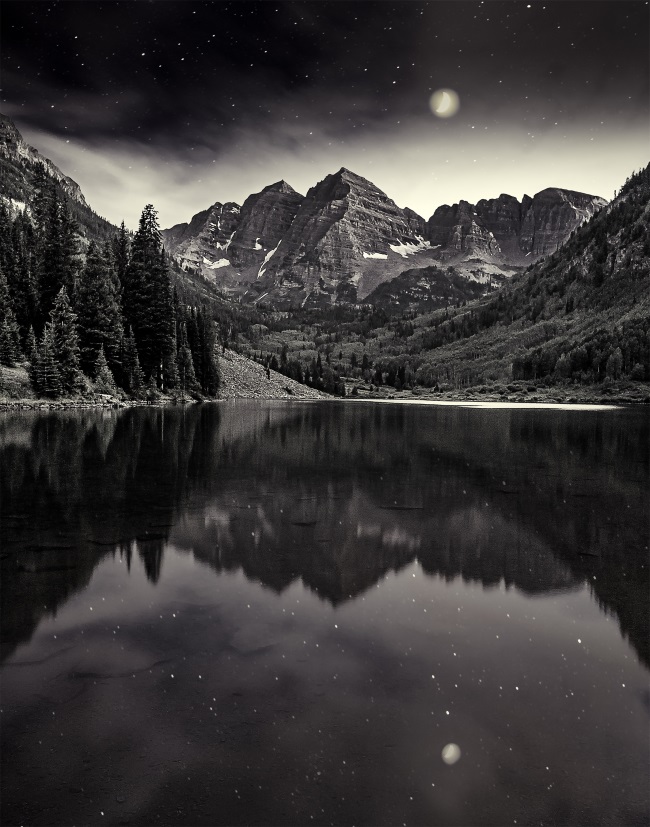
[5, 301]
[120, 249]
[41, 202]
[209, 377]
[31, 345]
[99, 321]
[188, 380]
[57, 252]
[46, 378]
[147, 302]
[6, 246]
[9, 339]
[165, 322]
[31, 349]
[9, 335]
[65, 342]
[132, 372]
[194, 342]
[104, 380]
[17, 243]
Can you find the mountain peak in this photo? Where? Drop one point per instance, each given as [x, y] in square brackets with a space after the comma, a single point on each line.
[346, 174]
[561, 194]
[279, 186]
[7, 123]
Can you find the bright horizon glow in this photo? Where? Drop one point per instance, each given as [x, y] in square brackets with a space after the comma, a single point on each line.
[430, 166]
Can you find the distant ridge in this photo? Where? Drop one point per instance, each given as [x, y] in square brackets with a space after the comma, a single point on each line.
[345, 238]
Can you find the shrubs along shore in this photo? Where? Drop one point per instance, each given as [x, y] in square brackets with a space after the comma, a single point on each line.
[240, 378]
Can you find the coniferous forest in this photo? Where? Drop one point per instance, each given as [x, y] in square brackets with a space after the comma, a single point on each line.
[104, 319]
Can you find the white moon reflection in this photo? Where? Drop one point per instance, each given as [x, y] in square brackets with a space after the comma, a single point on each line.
[444, 103]
[451, 753]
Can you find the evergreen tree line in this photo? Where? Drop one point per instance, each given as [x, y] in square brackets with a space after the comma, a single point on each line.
[315, 374]
[604, 354]
[111, 317]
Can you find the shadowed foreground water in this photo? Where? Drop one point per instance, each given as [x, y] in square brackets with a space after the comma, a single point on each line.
[272, 613]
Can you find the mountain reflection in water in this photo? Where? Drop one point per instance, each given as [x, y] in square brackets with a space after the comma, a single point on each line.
[336, 495]
[271, 613]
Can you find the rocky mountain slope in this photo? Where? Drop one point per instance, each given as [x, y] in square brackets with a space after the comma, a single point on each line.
[512, 231]
[241, 378]
[19, 165]
[285, 249]
[345, 242]
[200, 245]
[347, 235]
[230, 245]
[346, 238]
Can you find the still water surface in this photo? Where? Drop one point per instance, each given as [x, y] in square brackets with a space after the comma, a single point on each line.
[272, 613]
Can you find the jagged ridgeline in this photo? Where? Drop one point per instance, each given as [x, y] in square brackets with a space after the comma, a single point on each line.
[345, 239]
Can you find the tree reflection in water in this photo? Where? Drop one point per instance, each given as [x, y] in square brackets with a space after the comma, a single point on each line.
[336, 495]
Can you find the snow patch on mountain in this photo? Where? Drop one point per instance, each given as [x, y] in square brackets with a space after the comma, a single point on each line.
[267, 258]
[408, 248]
[215, 265]
[375, 255]
[225, 246]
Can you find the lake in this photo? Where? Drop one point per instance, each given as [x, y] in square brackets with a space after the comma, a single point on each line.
[340, 613]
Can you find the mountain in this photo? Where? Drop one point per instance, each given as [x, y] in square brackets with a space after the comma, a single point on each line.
[580, 315]
[512, 232]
[200, 245]
[20, 164]
[234, 240]
[573, 325]
[18, 157]
[346, 238]
[334, 244]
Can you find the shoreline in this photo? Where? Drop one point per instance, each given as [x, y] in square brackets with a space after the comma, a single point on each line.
[242, 378]
[551, 401]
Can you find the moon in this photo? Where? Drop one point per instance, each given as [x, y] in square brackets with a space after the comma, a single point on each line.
[451, 754]
[444, 103]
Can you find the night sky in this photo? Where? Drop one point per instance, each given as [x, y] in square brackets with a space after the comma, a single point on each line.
[182, 104]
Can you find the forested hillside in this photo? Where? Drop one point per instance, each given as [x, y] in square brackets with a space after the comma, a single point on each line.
[106, 319]
[582, 315]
